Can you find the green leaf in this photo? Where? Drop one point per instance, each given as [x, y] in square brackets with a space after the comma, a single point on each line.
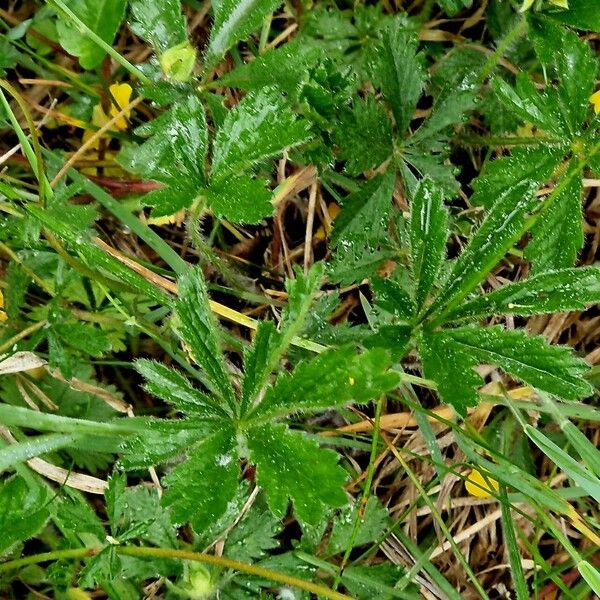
[590, 573]
[198, 329]
[552, 291]
[503, 226]
[83, 337]
[258, 360]
[334, 378]
[581, 13]
[399, 72]
[159, 22]
[290, 465]
[374, 521]
[451, 7]
[364, 136]
[351, 239]
[13, 454]
[103, 17]
[451, 367]
[240, 199]
[286, 67]
[253, 536]
[428, 235]
[173, 387]
[174, 155]
[270, 345]
[20, 515]
[580, 474]
[199, 489]
[261, 126]
[540, 108]
[450, 355]
[234, 21]
[558, 232]
[534, 164]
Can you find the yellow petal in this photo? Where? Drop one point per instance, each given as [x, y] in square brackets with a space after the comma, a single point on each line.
[480, 484]
[561, 3]
[121, 95]
[595, 100]
[3, 316]
[1, 299]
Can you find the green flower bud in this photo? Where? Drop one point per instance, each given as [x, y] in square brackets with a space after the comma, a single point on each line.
[178, 61]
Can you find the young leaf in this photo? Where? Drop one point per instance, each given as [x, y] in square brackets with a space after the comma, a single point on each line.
[428, 235]
[198, 329]
[504, 225]
[173, 387]
[449, 356]
[240, 199]
[552, 291]
[159, 22]
[103, 17]
[334, 378]
[174, 154]
[199, 489]
[399, 72]
[558, 233]
[261, 126]
[291, 465]
[234, 21]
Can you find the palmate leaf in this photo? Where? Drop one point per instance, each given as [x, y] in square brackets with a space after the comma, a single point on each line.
[450, 355]
[103, 17]
[198, 329]
[428, 235]
[235, 20]
[503, 226]
[199, 489]
[174, 154]
[548, 292]
[291, 465]
[334, 378]
[261, 126]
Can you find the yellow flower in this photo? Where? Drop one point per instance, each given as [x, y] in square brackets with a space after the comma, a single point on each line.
[3, 316]
[480, 484]
[595, 100]
[120, 98]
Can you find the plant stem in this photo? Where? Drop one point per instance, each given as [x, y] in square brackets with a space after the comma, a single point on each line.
[219, 561]
[83, 28]
[21, 335]
[360, 516]
[34, 559]
[518, 30]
